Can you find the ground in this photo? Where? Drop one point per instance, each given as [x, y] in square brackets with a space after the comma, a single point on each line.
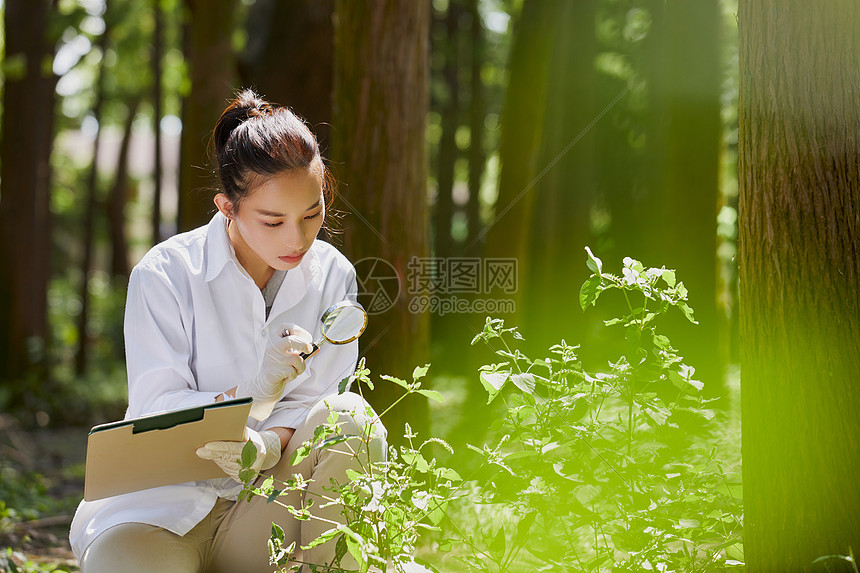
[41, 482]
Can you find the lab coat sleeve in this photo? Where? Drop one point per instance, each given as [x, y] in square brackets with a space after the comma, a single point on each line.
[158, 346]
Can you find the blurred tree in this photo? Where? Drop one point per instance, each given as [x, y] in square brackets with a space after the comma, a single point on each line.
[212, 62]
[88, 223]
[157, 113]
[564, 187]
[117, 200]
[678, 221]
[27, 132]
[450, 111]
[378, 147]
[477, 118]
[800, 281]
[289, 58]
[523, 123]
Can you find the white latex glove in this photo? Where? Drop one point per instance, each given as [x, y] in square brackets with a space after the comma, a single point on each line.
[281, 364]
[227, 454]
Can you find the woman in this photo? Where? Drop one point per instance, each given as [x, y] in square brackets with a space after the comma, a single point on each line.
[223, 311]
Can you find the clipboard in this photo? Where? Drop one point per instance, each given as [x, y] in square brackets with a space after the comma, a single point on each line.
[147, 452]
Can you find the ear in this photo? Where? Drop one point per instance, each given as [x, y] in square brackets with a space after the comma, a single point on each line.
[224, 205]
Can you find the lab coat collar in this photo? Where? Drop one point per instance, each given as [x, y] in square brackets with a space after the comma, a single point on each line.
[219, 251]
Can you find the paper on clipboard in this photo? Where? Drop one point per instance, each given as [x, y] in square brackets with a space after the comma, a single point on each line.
[152, 451]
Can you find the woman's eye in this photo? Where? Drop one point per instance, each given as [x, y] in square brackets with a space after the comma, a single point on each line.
[278, 224]
[314, 216]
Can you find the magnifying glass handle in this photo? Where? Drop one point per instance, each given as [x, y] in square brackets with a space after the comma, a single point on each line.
[315, 349]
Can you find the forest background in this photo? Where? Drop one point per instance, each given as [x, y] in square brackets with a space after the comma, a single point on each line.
[479, 146]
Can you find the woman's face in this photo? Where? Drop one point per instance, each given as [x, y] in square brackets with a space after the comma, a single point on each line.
[277, 222]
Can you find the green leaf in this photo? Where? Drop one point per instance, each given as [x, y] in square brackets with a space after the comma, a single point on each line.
[323, 538]
[301, 453]
[688, 312]
[499, 545]
[592, 262]
[343, 384]
[525, 382]
[494, 382]
[420, 372]
[249, 454]
[590, 291]
[669, 277]
[396, 380]
[432, 394]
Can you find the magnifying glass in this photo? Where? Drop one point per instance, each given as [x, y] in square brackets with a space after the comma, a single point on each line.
[342, 323]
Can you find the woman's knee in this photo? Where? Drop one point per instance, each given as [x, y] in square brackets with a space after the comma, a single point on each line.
[355, 417]
[140, 548]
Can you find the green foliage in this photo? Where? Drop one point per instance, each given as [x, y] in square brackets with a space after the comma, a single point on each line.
[386, 504]
[14, 562]
[603, 471]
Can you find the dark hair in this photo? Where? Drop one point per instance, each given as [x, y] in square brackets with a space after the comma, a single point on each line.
[254, 138]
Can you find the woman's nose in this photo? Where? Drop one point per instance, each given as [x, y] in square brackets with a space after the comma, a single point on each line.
[293, 237]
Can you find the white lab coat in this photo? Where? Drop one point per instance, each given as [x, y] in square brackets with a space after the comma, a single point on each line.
[195, 326]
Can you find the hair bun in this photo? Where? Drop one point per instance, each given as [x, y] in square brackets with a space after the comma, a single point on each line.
[245, 106]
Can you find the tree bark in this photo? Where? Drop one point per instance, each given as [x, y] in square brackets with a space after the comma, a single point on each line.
[25, 220]
[799, 264]
[290, 58]
[212, 69]
[380, 105]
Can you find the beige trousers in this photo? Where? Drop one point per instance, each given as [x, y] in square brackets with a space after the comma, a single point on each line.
[233, 538]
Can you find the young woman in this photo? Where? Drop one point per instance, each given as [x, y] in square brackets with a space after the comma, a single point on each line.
[223, 311]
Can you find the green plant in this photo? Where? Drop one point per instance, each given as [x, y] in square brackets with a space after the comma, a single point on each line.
[385, 504]
[605, 471]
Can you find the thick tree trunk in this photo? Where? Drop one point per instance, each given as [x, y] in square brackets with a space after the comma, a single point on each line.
[381, 100]
[800, 281]
[680, 213]
[27, 132]
[290, 58]
[213, 66]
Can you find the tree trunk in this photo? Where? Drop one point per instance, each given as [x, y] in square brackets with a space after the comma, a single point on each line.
[117, 200]
[680, 213]
[157, 49]
[448, 152]
[523, 123]
[25, 249]
[381, 101]
[799, 179]
[477, 115]
[303, 80]
[560, 225]
[212, 69]
[88, 223]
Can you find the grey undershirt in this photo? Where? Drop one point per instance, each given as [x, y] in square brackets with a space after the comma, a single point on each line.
[270, 291]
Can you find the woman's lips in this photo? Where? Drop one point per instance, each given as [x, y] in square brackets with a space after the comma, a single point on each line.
[295, 259]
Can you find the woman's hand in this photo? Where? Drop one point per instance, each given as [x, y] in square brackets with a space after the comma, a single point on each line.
[281, 364]
[227, 454]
